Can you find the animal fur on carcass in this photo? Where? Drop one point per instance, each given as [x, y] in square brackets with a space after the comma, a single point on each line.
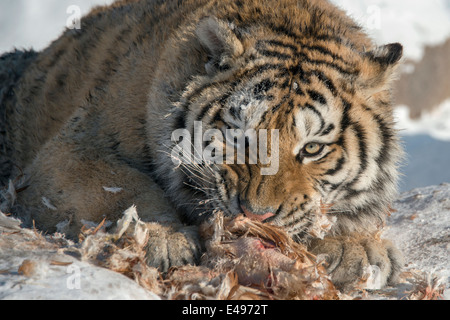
[263, 256]
[244, 259]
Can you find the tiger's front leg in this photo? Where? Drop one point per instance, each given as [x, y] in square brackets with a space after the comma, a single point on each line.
[72, 187]
[170, 242]
[352, 259]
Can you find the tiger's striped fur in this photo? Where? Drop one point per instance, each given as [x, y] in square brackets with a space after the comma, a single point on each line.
[98, 108]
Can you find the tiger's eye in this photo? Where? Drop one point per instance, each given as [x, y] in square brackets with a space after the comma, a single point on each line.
[312, 148]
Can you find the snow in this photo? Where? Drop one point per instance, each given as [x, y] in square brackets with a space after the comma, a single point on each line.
[78, 281]
[435, 123]
[35, 23]
[34, 267]
[421, 229]
[414, 23]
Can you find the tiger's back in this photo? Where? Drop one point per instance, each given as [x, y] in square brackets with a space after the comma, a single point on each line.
[99, 106]
[81, 65]
[82, 61]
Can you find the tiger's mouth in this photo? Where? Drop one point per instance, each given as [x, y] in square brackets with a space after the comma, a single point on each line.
[257, 217]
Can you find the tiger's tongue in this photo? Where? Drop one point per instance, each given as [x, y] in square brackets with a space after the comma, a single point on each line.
[257, 217]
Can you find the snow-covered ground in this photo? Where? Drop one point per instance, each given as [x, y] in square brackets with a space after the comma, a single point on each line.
[420, 228]
[34, 267]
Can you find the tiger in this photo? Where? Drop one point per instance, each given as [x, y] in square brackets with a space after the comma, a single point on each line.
[89, 126]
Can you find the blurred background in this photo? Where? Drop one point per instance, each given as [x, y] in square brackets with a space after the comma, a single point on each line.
[422, 93]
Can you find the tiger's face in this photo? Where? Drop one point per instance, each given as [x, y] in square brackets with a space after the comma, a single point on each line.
[325, 110]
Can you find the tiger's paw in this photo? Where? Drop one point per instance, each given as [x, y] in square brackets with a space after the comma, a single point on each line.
[366, 263]
[170, 246]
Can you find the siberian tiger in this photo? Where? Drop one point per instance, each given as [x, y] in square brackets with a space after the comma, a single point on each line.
[89, 125]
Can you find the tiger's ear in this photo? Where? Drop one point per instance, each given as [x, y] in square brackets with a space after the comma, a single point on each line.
[379, 66]
[218, 38]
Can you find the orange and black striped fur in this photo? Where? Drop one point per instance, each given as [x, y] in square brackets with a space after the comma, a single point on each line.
[97, 108]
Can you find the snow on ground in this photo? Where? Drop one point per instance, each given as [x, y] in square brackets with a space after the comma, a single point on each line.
[77, 281]
[34, 267]
[421, 230]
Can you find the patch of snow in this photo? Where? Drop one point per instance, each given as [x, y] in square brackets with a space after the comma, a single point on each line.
[46, 202]
[374, 278]
[113, 189]
[35, 23]
[435, 123]
[76, 281]
[38, 268]
[421, 229]
[414, 23]
[88, 224]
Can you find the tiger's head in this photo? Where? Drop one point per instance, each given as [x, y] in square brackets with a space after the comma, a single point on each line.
[325, 106]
